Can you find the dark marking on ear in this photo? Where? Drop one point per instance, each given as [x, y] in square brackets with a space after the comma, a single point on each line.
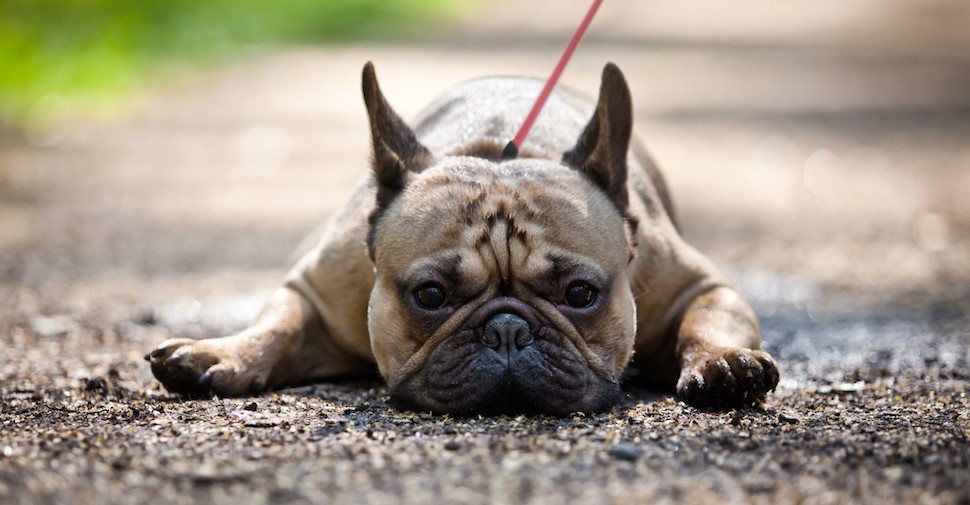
[372, 219]
[601, 149]
[396, 150]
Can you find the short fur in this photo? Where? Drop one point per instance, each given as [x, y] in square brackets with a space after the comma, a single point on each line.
[503, 242]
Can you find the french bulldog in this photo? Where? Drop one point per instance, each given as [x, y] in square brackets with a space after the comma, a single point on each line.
[482, 285]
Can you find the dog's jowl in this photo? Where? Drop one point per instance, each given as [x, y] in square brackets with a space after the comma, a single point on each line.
[484, 286]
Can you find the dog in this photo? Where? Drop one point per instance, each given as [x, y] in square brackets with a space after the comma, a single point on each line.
[479, 285]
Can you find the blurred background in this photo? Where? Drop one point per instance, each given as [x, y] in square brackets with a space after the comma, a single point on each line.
[161, 160]
[60, 55]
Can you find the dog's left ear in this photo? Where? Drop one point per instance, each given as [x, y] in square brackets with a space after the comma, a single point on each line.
[396, 148]
[601, 150]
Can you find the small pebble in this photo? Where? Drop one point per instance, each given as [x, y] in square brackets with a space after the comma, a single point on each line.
[96, 384]
[736, 418]
[787, 418]
[452, 445]
[625, 452]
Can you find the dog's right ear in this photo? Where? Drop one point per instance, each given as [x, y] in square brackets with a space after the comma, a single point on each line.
[601, 150]
[396, 149]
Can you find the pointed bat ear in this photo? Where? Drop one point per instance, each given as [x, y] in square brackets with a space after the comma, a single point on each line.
[396, 150]
[601, 150]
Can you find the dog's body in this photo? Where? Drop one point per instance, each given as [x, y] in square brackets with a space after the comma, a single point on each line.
[479, 285]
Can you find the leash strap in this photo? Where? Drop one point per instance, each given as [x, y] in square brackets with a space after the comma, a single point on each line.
[511, 149]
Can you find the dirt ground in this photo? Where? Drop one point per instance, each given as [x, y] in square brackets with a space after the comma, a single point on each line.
[820, 154]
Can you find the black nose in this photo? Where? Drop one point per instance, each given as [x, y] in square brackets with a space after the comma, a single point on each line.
[507, 330]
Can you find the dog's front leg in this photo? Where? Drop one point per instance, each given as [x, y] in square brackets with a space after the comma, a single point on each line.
[718, 349]
[287, 345]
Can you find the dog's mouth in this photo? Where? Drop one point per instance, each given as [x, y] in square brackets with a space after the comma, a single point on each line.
[505, 360]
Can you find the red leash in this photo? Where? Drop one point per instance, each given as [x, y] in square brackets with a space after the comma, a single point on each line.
[512, 148]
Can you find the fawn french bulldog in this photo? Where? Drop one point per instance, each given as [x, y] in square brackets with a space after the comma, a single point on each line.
[480, 285]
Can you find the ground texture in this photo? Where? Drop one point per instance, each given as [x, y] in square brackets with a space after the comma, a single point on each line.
[821, 155]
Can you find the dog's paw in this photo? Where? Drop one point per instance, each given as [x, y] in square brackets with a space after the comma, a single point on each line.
[728, 378]
[202, 368]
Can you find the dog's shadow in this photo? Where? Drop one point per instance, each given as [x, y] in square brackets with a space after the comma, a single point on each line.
[368, 392]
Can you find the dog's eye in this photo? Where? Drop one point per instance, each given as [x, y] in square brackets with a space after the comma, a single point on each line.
[580, 295]
[430, 296]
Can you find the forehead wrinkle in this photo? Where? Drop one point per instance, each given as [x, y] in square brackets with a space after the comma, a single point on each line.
[480, 192]
[447, 265]
[494, 233]
[526, 202]
[499, 246]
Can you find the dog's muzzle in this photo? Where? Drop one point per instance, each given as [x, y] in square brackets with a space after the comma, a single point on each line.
[506, 359]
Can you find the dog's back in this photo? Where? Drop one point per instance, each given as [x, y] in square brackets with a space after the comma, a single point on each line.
[478, 117]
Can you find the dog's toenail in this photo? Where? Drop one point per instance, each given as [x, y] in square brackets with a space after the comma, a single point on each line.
[205, 380]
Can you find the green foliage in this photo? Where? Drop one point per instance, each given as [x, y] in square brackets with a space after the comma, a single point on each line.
[78, 50]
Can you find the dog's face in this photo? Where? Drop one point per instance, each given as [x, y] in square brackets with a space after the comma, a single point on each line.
[501, 286]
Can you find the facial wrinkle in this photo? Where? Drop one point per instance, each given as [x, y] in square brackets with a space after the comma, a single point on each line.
[499, 245]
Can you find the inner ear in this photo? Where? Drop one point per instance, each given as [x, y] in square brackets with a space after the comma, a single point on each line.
[396, 150]
[601, 150]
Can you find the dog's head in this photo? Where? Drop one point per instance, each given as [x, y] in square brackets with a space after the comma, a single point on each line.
[502, 286]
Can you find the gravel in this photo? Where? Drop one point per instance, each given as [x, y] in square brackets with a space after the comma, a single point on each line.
[893, 440]
[117, 234]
